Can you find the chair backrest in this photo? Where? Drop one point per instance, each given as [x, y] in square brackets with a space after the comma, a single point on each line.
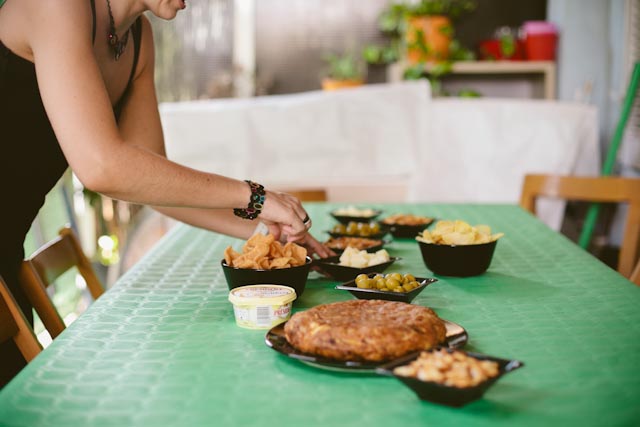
[48, 263]
[308, 194]
[14, 326]
[598, 190]
[635, 275]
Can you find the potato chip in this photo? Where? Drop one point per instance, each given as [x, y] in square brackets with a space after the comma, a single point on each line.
[262, 252]
[282, 262]
[458, 233]
[230, 255]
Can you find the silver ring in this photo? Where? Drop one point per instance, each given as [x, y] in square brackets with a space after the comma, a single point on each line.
[306, 221]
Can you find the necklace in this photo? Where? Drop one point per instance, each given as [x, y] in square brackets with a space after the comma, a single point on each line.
[118, 46]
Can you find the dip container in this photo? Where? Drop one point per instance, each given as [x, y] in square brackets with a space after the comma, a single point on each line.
[262, 306]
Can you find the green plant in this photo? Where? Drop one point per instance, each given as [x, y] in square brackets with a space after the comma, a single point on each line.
[435, 72]
[451, 8]
[343, 67]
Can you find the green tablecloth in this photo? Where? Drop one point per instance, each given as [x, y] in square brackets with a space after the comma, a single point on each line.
[161, 347]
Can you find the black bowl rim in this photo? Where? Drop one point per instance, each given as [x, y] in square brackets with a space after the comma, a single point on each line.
[505, 366]
[356, 218]
[426, 224]
[458, 246]
[308, 261]
[350, 286]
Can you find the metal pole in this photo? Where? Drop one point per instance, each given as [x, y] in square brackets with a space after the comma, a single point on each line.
[612, 152]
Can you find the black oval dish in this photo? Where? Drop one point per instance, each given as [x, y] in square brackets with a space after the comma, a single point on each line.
[407, 297]
[343, 273]
[456, 337]
[448, 395]
[457, 260]
[295, 277]
[346, 219]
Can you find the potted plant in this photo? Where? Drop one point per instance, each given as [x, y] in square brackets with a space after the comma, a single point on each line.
[429, 28]
[342, 71]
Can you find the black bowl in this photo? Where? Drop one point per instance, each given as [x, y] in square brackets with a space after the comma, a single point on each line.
[407, 231]
[343, 273]
[449, 395]
[457, 260]
[295, 277]
[407, 297]
[346, 219]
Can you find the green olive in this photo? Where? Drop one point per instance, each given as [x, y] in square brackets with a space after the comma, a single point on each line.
[408, 278]
[392, 283]
[361, 279]
[396, 276]
[380, 283]
[352, 228]
[407, 287]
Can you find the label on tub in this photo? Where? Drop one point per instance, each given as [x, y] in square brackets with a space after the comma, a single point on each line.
[262, 306]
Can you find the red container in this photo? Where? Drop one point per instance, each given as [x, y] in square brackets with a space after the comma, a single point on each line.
[491, 50]
[540, 40]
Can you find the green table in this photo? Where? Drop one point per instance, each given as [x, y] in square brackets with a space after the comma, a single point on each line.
[161, 347]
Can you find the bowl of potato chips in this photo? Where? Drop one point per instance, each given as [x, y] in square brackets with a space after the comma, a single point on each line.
[264, 260]
[455, 248]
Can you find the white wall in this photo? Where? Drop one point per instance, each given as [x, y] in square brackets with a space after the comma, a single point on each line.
[590, 56]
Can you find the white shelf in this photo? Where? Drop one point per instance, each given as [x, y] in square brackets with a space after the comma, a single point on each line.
[545, 70]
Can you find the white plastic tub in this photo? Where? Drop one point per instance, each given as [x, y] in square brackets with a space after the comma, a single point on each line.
[262, 306]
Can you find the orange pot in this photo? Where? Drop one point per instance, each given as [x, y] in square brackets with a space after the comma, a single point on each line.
[432, 32]
[331, 84]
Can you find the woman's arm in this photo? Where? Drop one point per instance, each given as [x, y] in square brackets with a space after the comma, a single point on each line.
[78, 106]
[140, 125]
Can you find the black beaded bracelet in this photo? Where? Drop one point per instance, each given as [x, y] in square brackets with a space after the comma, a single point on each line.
[256, 202]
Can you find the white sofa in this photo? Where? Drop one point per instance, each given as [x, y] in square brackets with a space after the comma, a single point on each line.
[387, 143]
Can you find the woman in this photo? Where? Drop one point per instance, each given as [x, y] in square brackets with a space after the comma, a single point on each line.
[77, 89]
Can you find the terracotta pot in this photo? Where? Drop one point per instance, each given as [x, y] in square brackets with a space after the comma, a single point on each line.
[436, 32]
[332, 84]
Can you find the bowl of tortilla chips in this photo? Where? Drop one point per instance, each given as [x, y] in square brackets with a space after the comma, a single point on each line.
[264, 260]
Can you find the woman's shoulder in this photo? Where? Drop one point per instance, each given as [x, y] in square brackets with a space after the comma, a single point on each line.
[50, 18]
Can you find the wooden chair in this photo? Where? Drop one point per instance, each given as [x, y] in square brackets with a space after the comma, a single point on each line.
[598, 190]
[13, 325]
[635, 275]
[307, 195]
[47, 264]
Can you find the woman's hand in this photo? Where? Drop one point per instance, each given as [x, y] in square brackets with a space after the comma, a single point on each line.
[285, 216]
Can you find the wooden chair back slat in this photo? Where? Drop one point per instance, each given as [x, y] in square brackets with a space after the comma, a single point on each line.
[597, 190]
[13, 325]
[46, 265]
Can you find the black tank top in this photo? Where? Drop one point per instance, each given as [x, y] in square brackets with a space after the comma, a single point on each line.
[31, 161]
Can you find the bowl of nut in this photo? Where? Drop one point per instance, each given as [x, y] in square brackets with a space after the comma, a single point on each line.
[406, 225]
[390, 287]
[339, 244]
[455, 248]
[448, 376]
[264, 260]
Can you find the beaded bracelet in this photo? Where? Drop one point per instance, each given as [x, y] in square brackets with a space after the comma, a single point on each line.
[256, 202]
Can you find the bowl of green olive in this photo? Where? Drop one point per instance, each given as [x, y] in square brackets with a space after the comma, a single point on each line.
[370, 230]
[390, 287]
